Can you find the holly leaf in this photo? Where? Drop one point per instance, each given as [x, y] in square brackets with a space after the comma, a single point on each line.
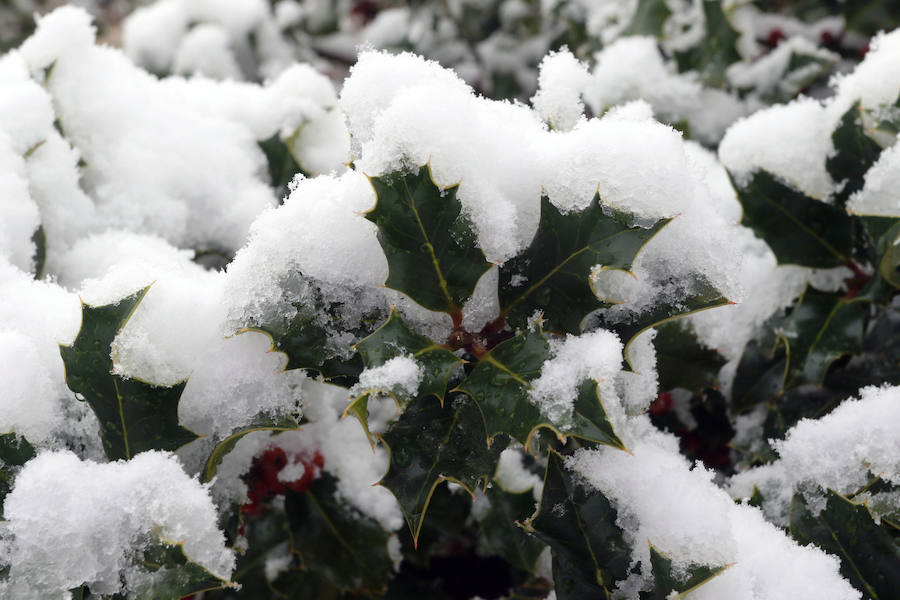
[759, 377]
[346, 548]
[134, 415]
[430, 444]
[649, 17]
[855, 153]
[800, 230]
[305, 343]
[395, 338]
[888, 251]
[172, 574]
[869, 553]
[15, 451]
[499, 530]
[589, 551]
[683, 361]
[281, 163]
[553, 274]
[430, 248]
[225, 446]
[668, 586]
[703, 295]
[590, 423]
[500, 382]
[39, 239]
[716, 51]
[820, 329]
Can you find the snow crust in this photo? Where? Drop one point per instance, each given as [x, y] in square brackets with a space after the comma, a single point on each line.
[830, 453]
[71, 522]
[684, 514]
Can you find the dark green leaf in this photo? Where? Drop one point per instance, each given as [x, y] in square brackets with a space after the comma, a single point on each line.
[869, 553]
[590, 553]
[500, 382]
[888, 249]
[683, 361]
[430, 444]
[716, 50]
[855, 153]
[648, 19]
[820, 329]
[174, 575]
[501, 534]
[431, 251]
[134, 415]
[759, 377]
[39, 238]
[305, 342]
[227, 445]
[665, 582]
[395, 338]
[553, 274]
[15, 451]
[282, 164]
[331, 540]
[590, 423]
[702, 297]
[799, 229]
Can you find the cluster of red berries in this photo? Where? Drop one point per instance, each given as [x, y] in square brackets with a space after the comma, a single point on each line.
[264, 484]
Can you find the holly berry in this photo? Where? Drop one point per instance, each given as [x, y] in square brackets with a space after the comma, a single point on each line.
[775, 37]
[661, 405]
[264, 484]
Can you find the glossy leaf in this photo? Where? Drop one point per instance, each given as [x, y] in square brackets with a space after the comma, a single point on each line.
[888, 250]
[820, 329]
[134, 416]
[499, 530]
[590, 424]
[683, 361]
[553, 274]
[225, 446]
[869, 553]
[589, 551]
[759, 377]
[395, 338]
[174, 575]
[703, 297]
[665, 581]
[500, 382]
[305, 343]
[281, 163]
[39, 239]
[344, 547]
[15, 451]
[430, 444]
[430, 247]
[855, 153]
[716, 51]
[648, 19]
[800, 230]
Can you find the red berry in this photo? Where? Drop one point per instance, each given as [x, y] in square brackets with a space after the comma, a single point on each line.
[775, 36]
[661, 405]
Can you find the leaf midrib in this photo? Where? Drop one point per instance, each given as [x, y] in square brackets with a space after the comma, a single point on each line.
[557, 268]
[442, 282]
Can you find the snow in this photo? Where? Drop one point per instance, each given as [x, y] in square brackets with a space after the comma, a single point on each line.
[561, 79]
[681, 511]
[829, 453]
[71, 522]
[878, 194]
[400, 375]
[596, 355]
[791, 141]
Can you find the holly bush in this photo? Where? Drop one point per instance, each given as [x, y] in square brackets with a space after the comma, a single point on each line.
[266, 338]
